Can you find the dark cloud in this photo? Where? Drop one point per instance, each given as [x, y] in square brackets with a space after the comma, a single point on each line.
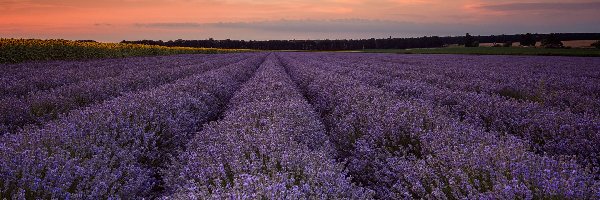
[349, 29]
[543, 6]
[169, 25]
[310, 26]
[102, 24]
[303, 29]
[321, 26]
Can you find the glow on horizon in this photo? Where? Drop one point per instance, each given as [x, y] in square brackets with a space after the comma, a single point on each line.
[115, 20]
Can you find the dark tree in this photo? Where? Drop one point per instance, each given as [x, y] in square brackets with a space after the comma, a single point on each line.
[527, 40]
[552, 41]
[373, 43]
[596, 44]
[470, 41]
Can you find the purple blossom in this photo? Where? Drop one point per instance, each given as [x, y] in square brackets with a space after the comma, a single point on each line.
[116, 149]
[302, 126]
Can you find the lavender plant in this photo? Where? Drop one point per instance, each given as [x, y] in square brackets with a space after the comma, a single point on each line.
[116, 149]
[19, 79]
[405, 149]
[302, 126]
[270, 144]
[41, 106]
[569, 84]
[548, 130]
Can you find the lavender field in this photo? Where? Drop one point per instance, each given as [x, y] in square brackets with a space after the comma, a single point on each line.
[301, 126]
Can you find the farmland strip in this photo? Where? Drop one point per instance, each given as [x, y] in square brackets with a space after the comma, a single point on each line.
[547, 130]
[568, 84]
[270, 144]
[16, 82]
[402, 149]
[116, 149]
[43, 106]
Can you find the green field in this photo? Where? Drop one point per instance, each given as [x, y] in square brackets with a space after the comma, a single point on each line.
[492, 51]
[20, 50]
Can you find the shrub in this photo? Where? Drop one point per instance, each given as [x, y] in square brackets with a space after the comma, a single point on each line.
[19, 50]
[527, 40]
[470, 41]
[596, 44]
[552, 41]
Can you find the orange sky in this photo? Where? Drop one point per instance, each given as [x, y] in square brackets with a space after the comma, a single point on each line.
[114, 20]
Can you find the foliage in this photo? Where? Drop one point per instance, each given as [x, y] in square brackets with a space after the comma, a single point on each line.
[552, 41]
[51, 91]
[291, 125]
[116, 149]
[270, 143]
[470, 41]
[494, 51]
[356, 44]
[596, 44]
[432, 126]
[19, 50]
[527, 40]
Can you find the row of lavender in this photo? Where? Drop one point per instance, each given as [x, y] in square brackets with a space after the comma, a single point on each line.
[118, 148]
[39, 106]
[405, 148]
[269, 145]
[19, 79]
[570, 84]
[308, 127]
[549, 130]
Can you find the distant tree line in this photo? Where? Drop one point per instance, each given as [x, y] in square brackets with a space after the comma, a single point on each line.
[386, 43]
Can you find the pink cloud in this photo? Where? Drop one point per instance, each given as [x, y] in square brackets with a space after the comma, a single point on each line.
[83, 17]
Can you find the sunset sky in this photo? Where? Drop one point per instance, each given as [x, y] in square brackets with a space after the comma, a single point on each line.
[115, 20]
